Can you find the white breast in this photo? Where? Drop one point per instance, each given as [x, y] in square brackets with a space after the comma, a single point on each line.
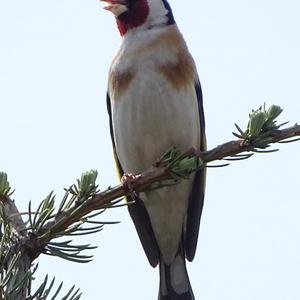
[148, 119]
[152, 117]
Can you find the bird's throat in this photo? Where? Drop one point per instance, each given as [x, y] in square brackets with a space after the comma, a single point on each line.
[134, 17]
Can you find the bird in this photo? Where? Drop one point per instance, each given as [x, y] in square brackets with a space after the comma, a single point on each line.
[154, 102]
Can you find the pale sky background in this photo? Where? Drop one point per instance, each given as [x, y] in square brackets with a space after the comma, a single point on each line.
[54, 61]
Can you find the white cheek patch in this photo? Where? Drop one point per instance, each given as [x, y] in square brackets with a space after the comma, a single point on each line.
[157, 12]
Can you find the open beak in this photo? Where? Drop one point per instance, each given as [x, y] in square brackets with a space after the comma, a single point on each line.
[117, 7]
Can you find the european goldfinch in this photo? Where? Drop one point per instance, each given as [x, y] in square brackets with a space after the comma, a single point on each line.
[154, 102]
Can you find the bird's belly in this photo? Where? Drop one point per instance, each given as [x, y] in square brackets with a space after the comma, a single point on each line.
[152, 117]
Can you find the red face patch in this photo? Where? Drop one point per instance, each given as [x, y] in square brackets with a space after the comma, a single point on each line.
[136, 15]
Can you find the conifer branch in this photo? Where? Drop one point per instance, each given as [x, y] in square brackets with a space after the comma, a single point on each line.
[82, 202]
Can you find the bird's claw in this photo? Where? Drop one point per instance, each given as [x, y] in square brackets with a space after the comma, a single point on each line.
[127, 179]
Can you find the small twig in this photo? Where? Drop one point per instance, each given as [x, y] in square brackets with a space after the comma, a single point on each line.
[14, 215]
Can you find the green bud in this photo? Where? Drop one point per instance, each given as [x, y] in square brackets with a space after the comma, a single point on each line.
[188, 164]
[4, 184]
[88, 180]
[256, 123]
[273, 112]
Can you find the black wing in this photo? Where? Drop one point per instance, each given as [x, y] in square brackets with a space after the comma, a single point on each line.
[137, 209]
[196, 199]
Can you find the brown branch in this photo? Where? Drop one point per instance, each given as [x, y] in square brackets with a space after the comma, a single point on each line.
[239, 146]
[156, 173]
[14, 216]
[32, 246]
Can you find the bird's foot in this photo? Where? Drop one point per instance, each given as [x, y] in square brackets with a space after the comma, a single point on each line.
[127, 179]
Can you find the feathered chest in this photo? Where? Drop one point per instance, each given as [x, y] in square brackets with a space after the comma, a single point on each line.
[154, 104]
[161, 57]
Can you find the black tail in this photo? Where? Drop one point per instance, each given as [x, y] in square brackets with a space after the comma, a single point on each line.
[174, 280]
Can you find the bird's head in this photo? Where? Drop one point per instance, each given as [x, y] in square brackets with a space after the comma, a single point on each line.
[140, 13]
